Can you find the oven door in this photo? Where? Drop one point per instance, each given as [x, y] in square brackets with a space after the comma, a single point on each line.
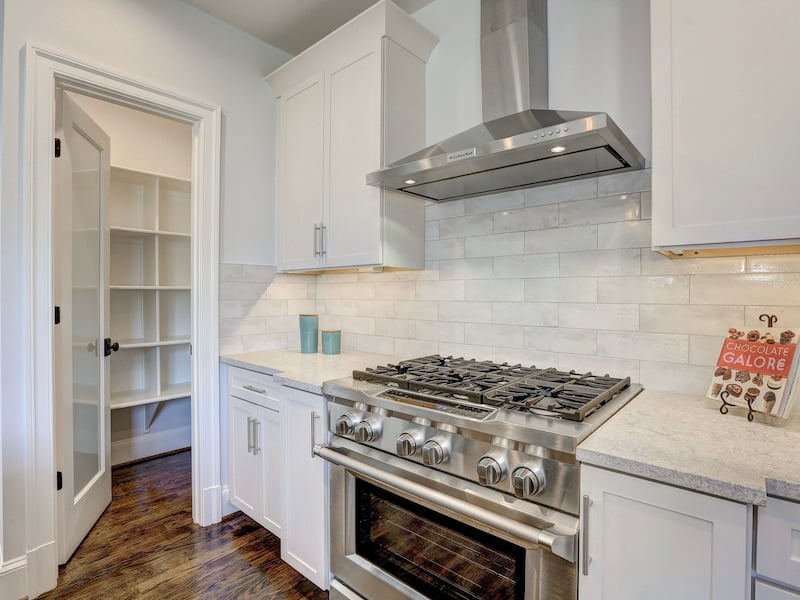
[401, 530]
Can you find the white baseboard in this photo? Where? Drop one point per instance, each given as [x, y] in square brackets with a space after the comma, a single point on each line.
[13, 575]
[227, 507]
[150, 444]
[41, 569]
[211, 506]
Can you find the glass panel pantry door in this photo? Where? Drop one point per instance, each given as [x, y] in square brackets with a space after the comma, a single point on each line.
[81, 370]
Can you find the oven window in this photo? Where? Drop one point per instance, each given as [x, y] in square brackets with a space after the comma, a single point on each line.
[434, 554]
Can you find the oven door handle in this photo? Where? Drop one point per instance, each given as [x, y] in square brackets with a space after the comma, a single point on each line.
[558, 544]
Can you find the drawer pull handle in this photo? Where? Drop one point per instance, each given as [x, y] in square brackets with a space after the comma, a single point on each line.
[253, 388]
[250, 435]
[585, 558]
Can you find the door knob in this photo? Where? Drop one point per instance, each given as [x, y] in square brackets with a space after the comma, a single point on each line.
[108, 346]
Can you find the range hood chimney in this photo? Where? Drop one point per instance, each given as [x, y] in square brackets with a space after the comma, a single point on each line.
[521, 143]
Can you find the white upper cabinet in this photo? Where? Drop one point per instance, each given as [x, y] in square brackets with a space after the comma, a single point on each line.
[726, 129]
[350, 104]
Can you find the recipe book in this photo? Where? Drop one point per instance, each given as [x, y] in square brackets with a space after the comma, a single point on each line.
[758, 368]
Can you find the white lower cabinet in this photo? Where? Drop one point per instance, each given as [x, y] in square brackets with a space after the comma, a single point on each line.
[778, 550]
[641, 539]
[254, 449]
[304, 539]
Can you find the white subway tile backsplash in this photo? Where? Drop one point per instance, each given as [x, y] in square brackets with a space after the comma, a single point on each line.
[465, 226]
[444, 210]
[561, 239]
[788, 316]
[629, 234]
[561, 340]
[396, 328]
[466, 312]
[561, 192]
[525, 313]
[776, 263]
[604, 263]
[770, 289]
[494, 335]
[679, 379]
[440, 290]
[467, 268]
[704, 350]
[440, 331]
[413, 309]
[659, 347]
[619, 317]
[494, 289]
[444, 249]
[495, 202]
[500, 244]
[526, 266]
[654, 263]
[526, 219]
[644, 290]
[564, 289]
[625, 207]
[623, 183]
[558, 275]
[690, 319]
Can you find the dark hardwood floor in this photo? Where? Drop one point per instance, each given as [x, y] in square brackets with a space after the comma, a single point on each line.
[145, 546]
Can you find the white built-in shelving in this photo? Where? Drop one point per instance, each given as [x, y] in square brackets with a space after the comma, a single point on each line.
[150, 287]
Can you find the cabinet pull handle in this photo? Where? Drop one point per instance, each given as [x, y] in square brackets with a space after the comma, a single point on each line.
[317, 229]
[314, 417]
[323, 228]
[587, 502]
[250, 434]
[253, 388]
[256, 425]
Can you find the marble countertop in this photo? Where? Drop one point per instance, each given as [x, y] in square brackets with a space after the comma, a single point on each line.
[685, 441]
[305, 371]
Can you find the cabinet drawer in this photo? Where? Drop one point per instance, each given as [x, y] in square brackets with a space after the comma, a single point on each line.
[778, 541]
[766, 591]
[255, 387]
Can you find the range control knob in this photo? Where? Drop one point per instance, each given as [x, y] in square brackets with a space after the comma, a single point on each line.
[528, 480]
[492, 470]
[368, 430]
[346, 424]
[409, 443]
[435, 451]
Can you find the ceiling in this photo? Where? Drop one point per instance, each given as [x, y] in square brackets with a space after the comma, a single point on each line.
[291, 25]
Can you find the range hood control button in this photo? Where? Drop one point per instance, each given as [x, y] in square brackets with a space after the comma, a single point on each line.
[368, 430]
[528, 480]
[435, 452]
[492, 470]
[409, 443]
[346, 424]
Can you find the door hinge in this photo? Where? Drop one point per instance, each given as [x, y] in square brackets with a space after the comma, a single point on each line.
[59, 481]
[58, 148]
[57, 316]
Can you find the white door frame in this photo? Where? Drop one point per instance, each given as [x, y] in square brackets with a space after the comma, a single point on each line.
[43, 71]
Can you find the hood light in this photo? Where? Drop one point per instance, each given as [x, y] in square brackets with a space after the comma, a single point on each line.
[557, 149]
[410, 181]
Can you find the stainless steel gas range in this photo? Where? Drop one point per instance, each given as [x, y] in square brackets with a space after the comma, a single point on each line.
[457, 478]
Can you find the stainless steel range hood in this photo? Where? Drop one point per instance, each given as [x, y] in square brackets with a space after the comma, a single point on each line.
[521, 142]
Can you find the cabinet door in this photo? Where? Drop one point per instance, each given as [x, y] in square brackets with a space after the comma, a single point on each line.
[768, 591]
[649, 540]
[300, 175]
[353, 209]
[304, 532]
[245, 465]
[268, 445]
[725, 129]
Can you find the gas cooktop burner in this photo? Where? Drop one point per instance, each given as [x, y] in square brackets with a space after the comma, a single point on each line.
[549, 392]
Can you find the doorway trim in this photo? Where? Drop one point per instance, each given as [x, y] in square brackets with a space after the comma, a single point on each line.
[43, 71]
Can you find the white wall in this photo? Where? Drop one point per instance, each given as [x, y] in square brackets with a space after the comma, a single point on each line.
[599, 60]
[161, 42]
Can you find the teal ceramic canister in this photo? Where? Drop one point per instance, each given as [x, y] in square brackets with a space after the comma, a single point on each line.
[331, 341]
[309, 329]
